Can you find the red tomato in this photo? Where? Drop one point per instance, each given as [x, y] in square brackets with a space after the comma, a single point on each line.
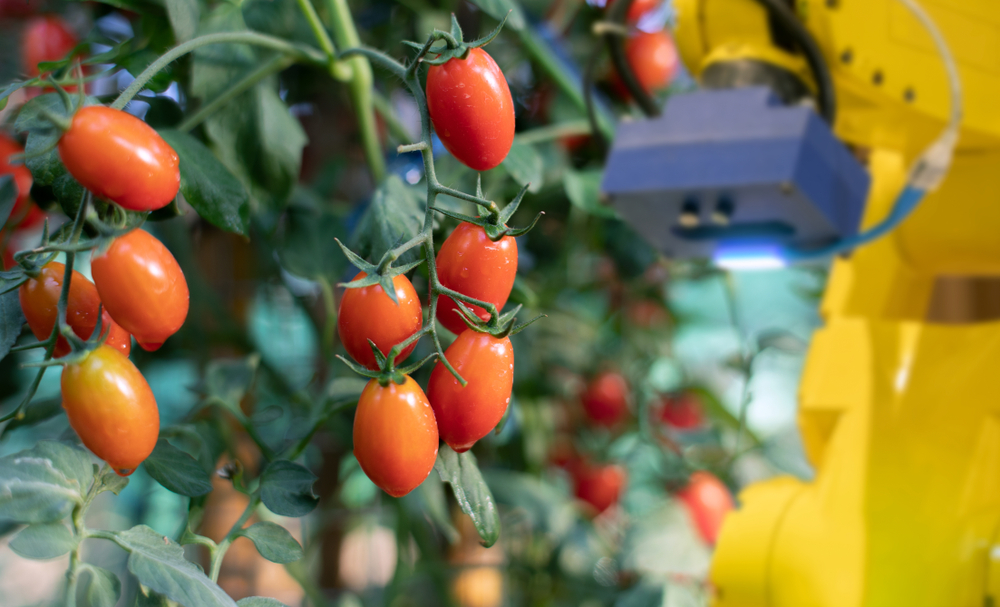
[681, 411]
[142, 287]
[112, 409]
[471, 109]
[47, 38]
[465, 415]
[605, 401]
[395, 435]
[472, 264]
[121, 158]
[708, 501]
[368, 313]
[39, 298]
[600, 486]
[24, 214]
[653, 58]
[638, 9]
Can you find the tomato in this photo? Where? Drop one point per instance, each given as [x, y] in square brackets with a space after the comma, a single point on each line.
[395, 435]
[47, 38]
[708, 501]
[24, 214]
[605, 401]
[142, 287]
[638, 9]
[681, 411]
[112, 409]
[653, 58]
[472, 264]
[471, 109]
[121, 158]
[368, 313]
[600, 486]
[40, 301]
[465, 415]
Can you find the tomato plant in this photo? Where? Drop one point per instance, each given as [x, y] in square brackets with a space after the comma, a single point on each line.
[471, 109]
[142, 287]
[368, 313]
[395, 435]
[605, 400]
[467, 413]
[708, 501]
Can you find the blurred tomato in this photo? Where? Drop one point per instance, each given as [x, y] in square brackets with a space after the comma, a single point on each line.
[681, 411]
[600, 486]
[708, 501]
[605, 401]
[47, 38]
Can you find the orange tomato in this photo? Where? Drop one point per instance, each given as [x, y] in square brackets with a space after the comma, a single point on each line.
[112, 409]
[368, 313]
[395, 435]
[142, 287]
[708, 501]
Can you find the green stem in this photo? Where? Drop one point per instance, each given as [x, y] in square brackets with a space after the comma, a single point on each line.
[299, 52]
[554, 131]
[272, 66]
[330, 304]
[220, 551]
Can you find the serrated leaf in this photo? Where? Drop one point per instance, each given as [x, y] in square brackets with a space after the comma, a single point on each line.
[184, 16]
[260, 601]
[229, 380]
[177, 471]
[394, 216]
[524, 165]
[583, 188]
[11, 321]
[498, 9]
[43, 541]
[286, 489]
[160, 564]
[208, 185]
[471, 492]
[103, 588]
[273, 542]
[43, 484]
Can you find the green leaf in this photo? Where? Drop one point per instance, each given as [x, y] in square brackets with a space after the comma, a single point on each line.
[35, 413]
[11, 322]
[177, 471]
[160, 564]
[9, 90]
[43, 541]
[103, 589]
[305, 243]
[43, 484]
[109, 480]
[583, 188]
[208, 185]
[147, 598]
[184, 16]
[471, 492]
[524, 165]
[229, 380]
[394, 216]
[273, 542]
[260, 601]
[8, 196]
[286, 489]
[498, 9]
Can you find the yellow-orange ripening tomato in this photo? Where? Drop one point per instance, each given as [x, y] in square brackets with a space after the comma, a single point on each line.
[471, 109]
[368, 313]
[39, 298]
[112, 409]
[465, 415]
[142, 287]
[472, 264]
[395, 435]
[121, 158]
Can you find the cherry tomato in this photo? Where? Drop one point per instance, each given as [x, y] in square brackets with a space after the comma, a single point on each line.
[605, 401]
[24, 214]
[638, 9]
[681, 411]
[708, 501]
[121, 158]
[471, 109]
[47, 38]
[112, 409]
[142, 287]
[395, 435]
[653, 58]
[368, 313]
[472, 264]
[465, 415]
[39, 298]
[600, 486]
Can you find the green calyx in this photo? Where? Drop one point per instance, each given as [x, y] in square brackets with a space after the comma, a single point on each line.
[497, 326]
[494, 220]
[455, 46]
[387, 371]
[381, 274]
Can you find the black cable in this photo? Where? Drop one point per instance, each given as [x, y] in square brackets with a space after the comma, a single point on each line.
[814, 56]
[616, 48]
